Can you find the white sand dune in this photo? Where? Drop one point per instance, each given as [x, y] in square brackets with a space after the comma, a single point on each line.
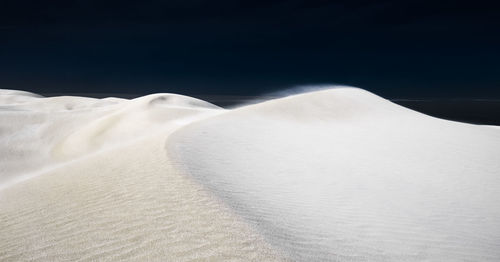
[101, 187]
[37, 133]
[332, 175]
[347, 176]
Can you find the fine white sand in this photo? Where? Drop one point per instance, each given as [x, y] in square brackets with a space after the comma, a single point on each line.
[332, 175]
[93, 183]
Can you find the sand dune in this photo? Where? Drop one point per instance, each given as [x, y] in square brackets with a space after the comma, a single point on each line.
[38, 133]
[106, 190]
[345, 175]
[338, 175]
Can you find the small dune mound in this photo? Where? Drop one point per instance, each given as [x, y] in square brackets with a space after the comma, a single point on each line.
[17, 93]
[137, 118]
[173, 100]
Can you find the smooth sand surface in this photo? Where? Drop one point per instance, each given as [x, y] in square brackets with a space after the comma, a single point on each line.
[344, 175]
[332, 175]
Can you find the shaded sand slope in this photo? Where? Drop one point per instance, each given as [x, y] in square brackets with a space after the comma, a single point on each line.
[93, 183]
[345, 175]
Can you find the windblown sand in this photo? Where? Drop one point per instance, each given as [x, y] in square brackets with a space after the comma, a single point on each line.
[332, 175]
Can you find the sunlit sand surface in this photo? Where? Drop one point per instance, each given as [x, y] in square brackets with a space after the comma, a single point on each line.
[331, 175]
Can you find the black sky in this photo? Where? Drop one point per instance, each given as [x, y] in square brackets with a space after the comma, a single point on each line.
[398, 49]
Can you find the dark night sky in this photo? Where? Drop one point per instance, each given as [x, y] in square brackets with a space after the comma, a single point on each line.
[397, 49]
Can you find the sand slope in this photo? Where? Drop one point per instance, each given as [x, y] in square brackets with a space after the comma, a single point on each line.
[106, 190]
[344, 175]
[333, 175]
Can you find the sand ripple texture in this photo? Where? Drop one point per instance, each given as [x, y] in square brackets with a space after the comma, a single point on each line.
[89, 180]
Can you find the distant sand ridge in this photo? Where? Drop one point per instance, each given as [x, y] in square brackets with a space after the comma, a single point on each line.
[332, 175]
